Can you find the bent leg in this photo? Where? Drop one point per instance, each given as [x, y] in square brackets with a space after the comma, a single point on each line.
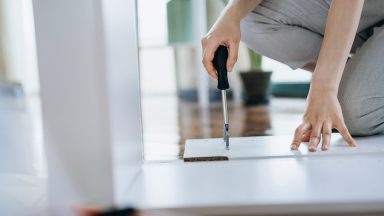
[361, 91]
[291, 31]
[292, 45]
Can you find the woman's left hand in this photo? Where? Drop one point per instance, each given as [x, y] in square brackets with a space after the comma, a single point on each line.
[323, 113]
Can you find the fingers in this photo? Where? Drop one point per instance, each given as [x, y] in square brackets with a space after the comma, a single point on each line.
[319, 132]
[326, 133]
[342, 128]
[209, 49]
[302, 129]
[233, 51]
[208, 55]
[307, 136]
[315, 137]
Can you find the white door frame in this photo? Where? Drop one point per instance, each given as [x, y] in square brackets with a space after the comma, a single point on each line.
[89, 79]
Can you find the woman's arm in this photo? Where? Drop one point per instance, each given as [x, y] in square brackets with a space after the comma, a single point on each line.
[323, 109]
[241, 7]
[226, 31]
[343, 20]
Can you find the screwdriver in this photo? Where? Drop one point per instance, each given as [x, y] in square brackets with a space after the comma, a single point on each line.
[220, 63]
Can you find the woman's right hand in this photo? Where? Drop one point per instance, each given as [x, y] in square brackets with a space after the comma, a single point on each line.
[226, 32]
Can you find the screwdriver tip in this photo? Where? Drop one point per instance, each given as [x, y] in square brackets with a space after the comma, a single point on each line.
[226, 136]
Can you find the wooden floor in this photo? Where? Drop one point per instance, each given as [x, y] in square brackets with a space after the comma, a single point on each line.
[168, 122]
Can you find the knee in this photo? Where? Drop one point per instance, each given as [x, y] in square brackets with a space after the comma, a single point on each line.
[357, 126]
[358, 119]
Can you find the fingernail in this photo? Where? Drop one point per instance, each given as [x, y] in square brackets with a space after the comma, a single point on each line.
[324, 148]
[230, 68]
[312, 148]
[293, 147]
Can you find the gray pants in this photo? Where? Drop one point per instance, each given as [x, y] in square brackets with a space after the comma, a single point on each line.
[291, 31]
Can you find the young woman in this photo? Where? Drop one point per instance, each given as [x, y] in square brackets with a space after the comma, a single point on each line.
[341, 41]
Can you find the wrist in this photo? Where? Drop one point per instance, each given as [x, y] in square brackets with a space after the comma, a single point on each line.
[325, 81]
[323, 88]
[233, 12]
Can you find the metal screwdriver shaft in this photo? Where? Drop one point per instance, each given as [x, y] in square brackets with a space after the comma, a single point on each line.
[220, 63]
[225, 114]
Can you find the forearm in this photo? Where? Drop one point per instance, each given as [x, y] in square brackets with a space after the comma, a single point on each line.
[238, 9]
[342, 22]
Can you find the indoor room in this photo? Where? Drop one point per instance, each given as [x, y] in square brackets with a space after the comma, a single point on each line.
[191, 107]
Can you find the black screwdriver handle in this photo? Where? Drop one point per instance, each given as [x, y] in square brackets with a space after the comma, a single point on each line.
[220, 63]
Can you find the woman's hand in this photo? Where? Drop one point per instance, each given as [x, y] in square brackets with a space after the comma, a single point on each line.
[323, 113]
[323, 108]
[226, 31]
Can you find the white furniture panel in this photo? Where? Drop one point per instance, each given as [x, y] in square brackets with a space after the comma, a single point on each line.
[277, 146]
[341, 180]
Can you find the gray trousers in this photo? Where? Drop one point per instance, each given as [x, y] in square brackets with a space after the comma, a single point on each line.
[291, 31]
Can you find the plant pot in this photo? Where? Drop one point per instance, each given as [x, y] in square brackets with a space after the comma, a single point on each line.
[257, 87]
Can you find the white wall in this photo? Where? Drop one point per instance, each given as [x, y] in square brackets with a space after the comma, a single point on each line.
[2, 62]
[19, 44]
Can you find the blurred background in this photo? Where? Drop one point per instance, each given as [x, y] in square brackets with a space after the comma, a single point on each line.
[174, 81]
[179, 100]
[22, 167]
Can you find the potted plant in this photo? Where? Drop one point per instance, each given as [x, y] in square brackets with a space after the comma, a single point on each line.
[256, 82]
